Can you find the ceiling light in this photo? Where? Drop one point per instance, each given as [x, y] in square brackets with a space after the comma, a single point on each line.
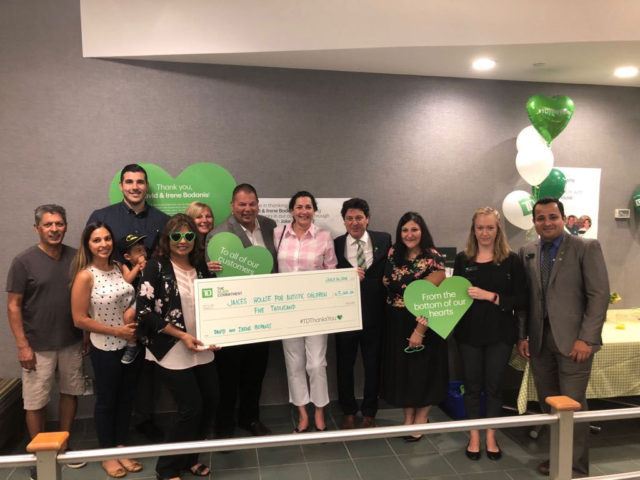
[483, 64]
[626, 72]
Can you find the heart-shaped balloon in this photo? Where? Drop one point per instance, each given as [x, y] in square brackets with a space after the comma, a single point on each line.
[443, 305]
[553, 186]
[550, 115]
[236, 260]
[206, 182]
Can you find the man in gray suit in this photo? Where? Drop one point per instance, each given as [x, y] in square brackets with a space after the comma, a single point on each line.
[241, 368]
[568, 300]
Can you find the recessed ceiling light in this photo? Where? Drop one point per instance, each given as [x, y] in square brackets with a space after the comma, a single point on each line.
[483, 64]
[626, 72]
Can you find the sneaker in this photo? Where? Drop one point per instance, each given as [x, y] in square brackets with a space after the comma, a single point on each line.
[130, 354]
[78, 464]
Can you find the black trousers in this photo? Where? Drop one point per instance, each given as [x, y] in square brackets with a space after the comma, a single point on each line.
[196, 393]
[347, 343]
[484, 368]
[148, 390]
[115, 387]
[241, 370]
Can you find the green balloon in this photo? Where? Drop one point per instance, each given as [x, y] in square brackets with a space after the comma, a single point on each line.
[552, 186]
[550, 115]
[636, 200]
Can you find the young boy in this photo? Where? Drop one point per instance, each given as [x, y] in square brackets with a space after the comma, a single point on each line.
[135, 253]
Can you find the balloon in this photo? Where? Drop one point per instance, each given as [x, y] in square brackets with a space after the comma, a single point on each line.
[549, 115]
[553, 185]
[529, 138]
[534, 164]
[636, 200]
[517, 208]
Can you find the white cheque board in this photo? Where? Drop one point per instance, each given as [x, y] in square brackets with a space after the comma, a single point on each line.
[259, 308]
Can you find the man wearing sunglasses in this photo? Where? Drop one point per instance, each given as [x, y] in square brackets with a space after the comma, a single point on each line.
[135, 216]
[241, 368]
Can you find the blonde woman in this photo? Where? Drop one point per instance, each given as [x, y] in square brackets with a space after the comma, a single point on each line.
[202, 216]
[487, 331]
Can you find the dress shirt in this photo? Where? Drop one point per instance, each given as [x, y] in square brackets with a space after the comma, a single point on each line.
[351, 249]
[555, 245]
[254, 237]
[313, 251]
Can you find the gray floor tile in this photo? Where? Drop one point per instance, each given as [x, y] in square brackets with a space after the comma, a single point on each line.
[275, 414]
[380, 468]
[280, 456]
[19, 474]
[235, 459]
[463, 465]
[422, 466]
[447, 442]
[326, 451]
[286, 472]
[6, 472]
[486, 476]
[239, 474]
[616, 466]
[615, 448]
[369, 448]
[401, 446]
[94, 471]
[333, 470]
[524, 474]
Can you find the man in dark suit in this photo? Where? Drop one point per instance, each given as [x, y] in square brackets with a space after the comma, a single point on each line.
[367, 251]
[568, 300]
[241, 368]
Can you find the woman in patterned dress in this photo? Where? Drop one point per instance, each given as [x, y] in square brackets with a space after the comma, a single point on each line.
[415, 363]
[99, 299]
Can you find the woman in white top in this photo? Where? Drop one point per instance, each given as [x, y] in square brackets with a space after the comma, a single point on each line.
[166, 312]
[99, 299]
[303, 246]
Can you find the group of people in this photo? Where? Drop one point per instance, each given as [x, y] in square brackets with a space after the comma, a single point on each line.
[132, 281]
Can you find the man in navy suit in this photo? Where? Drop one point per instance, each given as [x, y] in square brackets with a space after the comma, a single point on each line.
[568, 300]
[367, 251]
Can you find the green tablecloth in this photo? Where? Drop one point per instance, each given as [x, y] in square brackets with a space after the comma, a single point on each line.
[616, 367]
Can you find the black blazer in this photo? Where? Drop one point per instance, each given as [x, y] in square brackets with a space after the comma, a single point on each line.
[372, 292]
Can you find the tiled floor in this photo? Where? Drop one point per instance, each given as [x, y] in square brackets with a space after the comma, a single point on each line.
[440, 456]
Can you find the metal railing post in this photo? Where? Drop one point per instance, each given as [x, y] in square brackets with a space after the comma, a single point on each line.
[561, 445]
[46, 447]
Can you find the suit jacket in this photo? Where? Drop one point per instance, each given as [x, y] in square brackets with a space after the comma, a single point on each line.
[231, 225]
[372, 292]
[577, 294]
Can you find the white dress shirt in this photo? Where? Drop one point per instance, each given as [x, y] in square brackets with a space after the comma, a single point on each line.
[351, 249]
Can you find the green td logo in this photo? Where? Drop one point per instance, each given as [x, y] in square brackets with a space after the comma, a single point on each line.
[207, 293]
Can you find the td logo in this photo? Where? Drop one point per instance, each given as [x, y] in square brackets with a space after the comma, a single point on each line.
[207, 293]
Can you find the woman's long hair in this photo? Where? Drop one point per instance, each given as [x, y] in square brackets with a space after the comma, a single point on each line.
[84, 256]
[175, 224]
[501, 247]
[426, 240]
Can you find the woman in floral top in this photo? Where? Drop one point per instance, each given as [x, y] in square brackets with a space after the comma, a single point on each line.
[415, 363]
[167, 327]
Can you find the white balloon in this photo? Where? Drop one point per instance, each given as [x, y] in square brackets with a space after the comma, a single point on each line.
[529, 137]
[517, 207]
[534, 164]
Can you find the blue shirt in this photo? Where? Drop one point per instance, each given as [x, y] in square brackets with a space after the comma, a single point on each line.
[124, 221]
[555, 246]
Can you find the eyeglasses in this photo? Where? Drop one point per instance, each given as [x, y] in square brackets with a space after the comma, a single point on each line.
[177, 236]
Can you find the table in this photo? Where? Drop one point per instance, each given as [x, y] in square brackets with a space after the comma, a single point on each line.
[616, 367]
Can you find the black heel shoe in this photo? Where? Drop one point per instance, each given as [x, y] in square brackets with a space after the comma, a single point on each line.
[475, 456]
[494, 455]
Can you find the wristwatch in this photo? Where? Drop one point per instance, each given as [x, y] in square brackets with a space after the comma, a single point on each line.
[589, 344]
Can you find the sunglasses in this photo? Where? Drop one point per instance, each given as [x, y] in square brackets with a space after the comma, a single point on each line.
[177, 236]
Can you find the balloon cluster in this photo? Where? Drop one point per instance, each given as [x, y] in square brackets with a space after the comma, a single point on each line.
[548, 116]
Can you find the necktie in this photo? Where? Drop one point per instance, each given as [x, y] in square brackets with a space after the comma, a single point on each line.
[362, 262]
[545, 272]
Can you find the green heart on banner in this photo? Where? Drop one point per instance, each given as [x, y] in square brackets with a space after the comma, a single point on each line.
[443, 306]
[204, 182]
[236, 260]
[550, 115]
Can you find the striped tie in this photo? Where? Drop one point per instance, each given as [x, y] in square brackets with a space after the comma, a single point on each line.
[362, 262]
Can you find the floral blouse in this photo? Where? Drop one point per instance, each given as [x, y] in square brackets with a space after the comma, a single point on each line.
[158, 303]
[397, 277]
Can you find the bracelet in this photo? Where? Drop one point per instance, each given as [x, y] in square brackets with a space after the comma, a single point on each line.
[418, 333]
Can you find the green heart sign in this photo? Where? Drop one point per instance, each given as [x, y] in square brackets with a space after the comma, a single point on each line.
[236, 260]
[550, 115]
[443, 306]
[204, 182]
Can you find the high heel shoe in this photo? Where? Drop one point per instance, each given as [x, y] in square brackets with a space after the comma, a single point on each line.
[494, 455]
[412, 439]
[475, 456]
[304, 430]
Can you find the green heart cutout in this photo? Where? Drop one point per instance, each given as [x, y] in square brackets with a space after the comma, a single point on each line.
[443, 306]
[550, 115]
[204, 182]
[339, 317]
[236, 260]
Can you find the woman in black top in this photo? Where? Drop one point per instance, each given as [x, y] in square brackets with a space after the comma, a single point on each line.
[487, 331]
